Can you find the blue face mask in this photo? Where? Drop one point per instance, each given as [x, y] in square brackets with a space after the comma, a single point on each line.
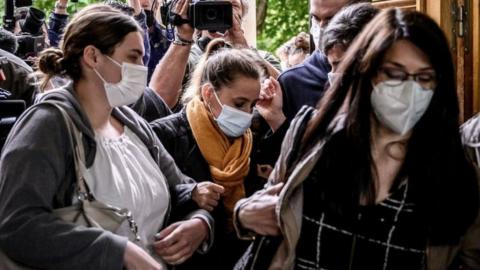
[233, 123]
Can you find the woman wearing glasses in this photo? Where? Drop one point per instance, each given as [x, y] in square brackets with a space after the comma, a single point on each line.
[376, 177]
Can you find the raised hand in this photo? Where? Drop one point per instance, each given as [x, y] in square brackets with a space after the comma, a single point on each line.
[270, 103]
[135, 4]
[184, 31]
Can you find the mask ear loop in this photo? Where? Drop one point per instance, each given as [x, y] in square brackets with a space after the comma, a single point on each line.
[113, 61]
[216, 96]
[100, 76]
[208, 104]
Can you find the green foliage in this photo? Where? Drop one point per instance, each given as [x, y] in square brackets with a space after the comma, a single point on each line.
[285, 19]
[48, 5]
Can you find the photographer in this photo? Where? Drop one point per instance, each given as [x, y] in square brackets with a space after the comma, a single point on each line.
[150, 106]
[59, 19]
[16, 78]
[160, 36]
[181, 58]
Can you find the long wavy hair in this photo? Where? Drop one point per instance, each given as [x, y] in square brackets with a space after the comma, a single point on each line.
[442, 182]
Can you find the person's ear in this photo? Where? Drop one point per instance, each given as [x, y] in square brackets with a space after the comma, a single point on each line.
[206, 92]
[90, 56]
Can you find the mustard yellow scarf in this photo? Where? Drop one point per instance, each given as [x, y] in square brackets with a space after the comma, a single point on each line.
[228, 160]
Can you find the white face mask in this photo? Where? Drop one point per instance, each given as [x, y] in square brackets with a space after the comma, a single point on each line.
[231, 121]
[317, 32]
[400, 107]
[332, 76]
[130, 88]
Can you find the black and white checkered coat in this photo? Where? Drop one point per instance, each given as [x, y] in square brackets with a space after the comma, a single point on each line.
[290, 207]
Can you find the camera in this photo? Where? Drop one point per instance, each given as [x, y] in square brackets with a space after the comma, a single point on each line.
[29, 46]
[211, 15]
[208, 15]
[33, 22]
[31, 39]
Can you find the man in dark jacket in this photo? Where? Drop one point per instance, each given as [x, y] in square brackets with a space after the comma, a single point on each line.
[305, 83]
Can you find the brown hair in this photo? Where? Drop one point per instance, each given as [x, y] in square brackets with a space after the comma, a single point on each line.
[220, 66]
[97, 25]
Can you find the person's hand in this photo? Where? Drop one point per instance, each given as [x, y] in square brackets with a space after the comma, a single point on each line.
[258, 215]
[184, 31]
[135, 4]
[178, 242]
[270, 103]
[136, 258]
[236, 35]
[207, 194]
[63, 3]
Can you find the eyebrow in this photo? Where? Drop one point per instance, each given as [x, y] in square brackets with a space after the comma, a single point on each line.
[244, 99]
[137, 51]
[241, 99]
[402, 66]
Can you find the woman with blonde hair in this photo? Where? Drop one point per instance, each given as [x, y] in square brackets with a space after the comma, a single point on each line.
[211, 141]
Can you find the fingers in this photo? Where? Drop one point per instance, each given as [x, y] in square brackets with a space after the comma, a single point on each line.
[178, 6]
[171, 250]
[216, 188]
[268, 230]
[167, 232]
[209, 204]
[276, 85]
[275, 189]
[207, 194]
[179, 257]
[237, 21]
[162, 246]
[184, 10]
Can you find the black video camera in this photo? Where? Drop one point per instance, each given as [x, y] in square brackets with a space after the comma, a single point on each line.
[208, 15]
[31, 39]
[9, 19]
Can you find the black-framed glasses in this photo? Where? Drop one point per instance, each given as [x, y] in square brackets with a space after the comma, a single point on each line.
[395, 76]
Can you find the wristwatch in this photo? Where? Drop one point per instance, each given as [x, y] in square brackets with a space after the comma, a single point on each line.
[60, 6]
[180, 41]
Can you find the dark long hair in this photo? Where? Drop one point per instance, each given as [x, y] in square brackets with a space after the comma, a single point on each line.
[441, 180]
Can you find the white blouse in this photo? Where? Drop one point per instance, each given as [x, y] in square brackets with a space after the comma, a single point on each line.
[125, 175]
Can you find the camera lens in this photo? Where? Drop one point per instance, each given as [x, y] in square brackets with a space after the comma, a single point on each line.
[211, 14]
[33, 21]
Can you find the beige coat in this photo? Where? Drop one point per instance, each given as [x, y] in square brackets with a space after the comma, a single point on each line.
[290, 208]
